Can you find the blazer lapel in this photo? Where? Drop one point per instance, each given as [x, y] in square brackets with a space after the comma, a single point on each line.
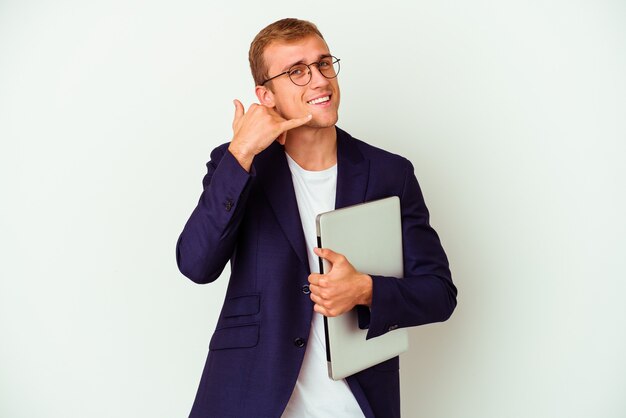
[352, 172]
[274, 175]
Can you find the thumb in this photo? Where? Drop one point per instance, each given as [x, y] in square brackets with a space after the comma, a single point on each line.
[328, 255]
[239, 111]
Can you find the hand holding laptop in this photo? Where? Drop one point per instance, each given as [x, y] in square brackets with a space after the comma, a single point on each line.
[342, 288]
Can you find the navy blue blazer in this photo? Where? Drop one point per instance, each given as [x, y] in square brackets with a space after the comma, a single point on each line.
[252, 221]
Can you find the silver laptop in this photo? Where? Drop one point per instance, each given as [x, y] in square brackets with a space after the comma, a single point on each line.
[370, 236]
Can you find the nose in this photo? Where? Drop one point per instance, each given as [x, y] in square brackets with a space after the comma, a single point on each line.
[317, 79]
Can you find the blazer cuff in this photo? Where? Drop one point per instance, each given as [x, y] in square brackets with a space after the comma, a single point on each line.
[364, 316]
[381, 313]
[229, 183]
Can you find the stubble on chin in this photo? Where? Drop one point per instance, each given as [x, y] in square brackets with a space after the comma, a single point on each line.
[324, 123]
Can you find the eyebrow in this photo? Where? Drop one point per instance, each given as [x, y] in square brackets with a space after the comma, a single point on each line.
[301, 61]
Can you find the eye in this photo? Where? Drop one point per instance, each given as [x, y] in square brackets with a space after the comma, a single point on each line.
[325, 63]
[297, 71]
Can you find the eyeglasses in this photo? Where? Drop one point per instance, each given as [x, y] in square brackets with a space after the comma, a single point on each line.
[300, 74]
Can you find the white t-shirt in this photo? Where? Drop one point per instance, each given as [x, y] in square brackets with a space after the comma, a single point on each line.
[316, 395]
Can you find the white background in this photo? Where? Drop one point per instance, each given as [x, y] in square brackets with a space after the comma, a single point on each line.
[513, 113]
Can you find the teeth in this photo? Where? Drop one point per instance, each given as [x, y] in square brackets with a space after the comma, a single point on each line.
[319, 100]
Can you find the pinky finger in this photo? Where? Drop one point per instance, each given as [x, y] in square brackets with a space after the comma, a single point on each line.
[320, 309]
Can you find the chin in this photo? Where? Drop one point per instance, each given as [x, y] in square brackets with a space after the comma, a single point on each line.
[323, 122]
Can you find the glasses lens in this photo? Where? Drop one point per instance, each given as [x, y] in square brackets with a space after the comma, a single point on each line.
[329, 67]
[300, 74]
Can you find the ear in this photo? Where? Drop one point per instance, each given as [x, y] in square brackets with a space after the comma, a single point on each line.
[265, 96]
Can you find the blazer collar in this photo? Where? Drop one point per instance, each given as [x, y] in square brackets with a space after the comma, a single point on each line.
[272, 172]
[352, 171]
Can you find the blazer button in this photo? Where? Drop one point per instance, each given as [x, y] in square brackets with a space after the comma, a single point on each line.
[305, 289]
[299, 342]
[228, 205]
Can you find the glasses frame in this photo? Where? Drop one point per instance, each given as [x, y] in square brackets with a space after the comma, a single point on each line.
[317, 64]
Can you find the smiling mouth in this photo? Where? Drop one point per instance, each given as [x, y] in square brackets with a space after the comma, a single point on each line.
[319, 100]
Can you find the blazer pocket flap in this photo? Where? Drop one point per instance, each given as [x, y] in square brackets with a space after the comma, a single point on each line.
[242, 336]
[241, 305]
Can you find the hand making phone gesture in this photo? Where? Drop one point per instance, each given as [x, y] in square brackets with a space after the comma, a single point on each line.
[256, 129]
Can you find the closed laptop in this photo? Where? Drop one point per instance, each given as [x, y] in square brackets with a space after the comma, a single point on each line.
[370, 236]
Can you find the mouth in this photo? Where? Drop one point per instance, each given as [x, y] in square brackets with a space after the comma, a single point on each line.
[319, 100]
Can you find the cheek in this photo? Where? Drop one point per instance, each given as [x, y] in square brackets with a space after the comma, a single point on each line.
[290, 106]
[337, 91]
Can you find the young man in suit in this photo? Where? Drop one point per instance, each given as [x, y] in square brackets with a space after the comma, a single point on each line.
[287, 162]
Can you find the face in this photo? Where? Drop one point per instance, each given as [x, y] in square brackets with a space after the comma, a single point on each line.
[319, 98]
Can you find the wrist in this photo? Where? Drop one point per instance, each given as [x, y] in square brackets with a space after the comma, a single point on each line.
[243, 157]
[367, 290]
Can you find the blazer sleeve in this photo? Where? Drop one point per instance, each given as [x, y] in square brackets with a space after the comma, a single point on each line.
[208, 239]
[426, 294]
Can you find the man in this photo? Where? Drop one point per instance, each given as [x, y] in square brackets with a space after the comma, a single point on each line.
[287, 162]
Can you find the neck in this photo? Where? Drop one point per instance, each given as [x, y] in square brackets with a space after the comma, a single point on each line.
[314, 149]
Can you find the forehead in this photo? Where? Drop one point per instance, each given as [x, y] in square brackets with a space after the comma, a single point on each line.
[279, 56]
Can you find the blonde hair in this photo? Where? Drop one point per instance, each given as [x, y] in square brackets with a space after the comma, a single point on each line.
[284, 30]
